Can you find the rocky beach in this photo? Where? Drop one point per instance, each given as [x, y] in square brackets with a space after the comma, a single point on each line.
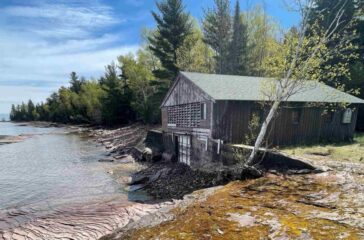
[186, 204]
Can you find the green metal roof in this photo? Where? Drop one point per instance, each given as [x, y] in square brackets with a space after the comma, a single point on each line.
[229, 87]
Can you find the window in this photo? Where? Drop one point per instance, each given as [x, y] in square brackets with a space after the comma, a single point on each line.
[296, 116]
[347, 116]
[184, 115]
[203, 111]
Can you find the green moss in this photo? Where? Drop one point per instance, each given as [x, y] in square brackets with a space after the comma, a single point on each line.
[280, 207]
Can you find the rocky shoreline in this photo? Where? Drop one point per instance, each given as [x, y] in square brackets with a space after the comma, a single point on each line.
[11, 139]
[276, 206]
[327, 205]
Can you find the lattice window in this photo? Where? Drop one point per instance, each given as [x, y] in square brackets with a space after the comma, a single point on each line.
[185, 115]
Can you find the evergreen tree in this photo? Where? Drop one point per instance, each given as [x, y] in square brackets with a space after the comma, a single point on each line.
[13, 113]
[31, 111]
[23, 112]
[217, 33]
[76, 83]
[238, 46]
[116, 101]
[173, 26]
[351, 27]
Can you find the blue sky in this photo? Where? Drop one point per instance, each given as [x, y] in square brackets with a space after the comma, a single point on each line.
[42, 41]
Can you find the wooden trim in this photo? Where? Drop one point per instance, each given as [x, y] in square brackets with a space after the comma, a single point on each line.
[170, 90]
[180, 77]
[194, 84]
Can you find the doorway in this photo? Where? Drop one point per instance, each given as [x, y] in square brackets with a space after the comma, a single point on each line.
[184, 149]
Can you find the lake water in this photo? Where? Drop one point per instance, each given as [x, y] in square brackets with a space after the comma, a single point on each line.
[51, 169]
[4, 116]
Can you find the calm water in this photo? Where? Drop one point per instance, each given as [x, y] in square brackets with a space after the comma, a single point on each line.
[50, 169]
[4, 116]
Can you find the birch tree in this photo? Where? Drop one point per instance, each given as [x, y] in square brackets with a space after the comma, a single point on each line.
[298, 63]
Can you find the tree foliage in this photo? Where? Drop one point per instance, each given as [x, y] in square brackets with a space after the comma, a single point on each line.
[238, 47]
[262, 39]
[173, 26]
[246, 43]
[194, 55]
[299, 63]
[217, 33]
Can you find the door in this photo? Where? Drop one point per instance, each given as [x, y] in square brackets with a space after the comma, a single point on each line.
[184, 149]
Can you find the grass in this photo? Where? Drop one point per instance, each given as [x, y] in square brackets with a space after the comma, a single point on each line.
[353, 152]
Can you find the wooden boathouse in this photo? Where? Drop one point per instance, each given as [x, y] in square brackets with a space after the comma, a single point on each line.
[202, 112]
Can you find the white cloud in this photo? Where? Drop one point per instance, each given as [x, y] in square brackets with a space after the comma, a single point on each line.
[17, 94]
[36, 59]
[41, 44]
[59, 20]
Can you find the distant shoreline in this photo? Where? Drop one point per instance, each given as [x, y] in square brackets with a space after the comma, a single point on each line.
[5, 139]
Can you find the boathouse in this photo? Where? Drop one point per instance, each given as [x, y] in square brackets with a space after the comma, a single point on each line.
[203, 112]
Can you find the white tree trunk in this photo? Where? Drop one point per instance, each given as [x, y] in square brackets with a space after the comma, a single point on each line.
[263, 132]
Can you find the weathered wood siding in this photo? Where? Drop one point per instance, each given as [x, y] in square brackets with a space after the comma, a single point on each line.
[336, 130]
[231, 120]
[360, 119]
[185, 92]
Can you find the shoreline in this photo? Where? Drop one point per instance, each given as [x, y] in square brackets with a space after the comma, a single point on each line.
[328, 205]
[263, 206]
[91, 219]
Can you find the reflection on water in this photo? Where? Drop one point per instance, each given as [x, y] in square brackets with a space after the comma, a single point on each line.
[51, 169]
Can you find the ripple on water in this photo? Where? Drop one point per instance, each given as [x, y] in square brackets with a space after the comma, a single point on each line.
[49, 173]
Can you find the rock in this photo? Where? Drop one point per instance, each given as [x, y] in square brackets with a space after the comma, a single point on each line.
[301, 171]
[106, 160]
[250, 172]
[136, 187]
[245, 220]
[169, 157]
[81, 222]
[126, 159]
[139, 179]
[147, 154]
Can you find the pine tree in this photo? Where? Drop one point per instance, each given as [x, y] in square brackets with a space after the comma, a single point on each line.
[31, 110]
[238, 45]
[116, 102]
[217, 33]
[13, 113]
[173, 26]
[76, 83]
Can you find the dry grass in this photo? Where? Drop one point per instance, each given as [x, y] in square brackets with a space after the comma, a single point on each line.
[353, 152]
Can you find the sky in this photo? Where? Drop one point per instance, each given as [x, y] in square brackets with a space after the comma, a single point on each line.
[42, 41]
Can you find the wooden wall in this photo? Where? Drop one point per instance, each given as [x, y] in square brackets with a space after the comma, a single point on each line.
[360, 119]
[184, 91]
[231, 120]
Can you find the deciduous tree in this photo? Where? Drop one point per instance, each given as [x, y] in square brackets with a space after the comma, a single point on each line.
[297, 64]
